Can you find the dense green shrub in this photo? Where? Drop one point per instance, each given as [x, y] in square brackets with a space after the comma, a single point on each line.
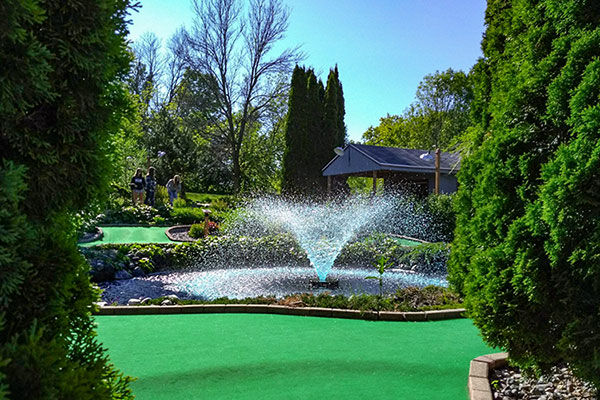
[224, 251]
[527, 246]
[209, 198]
[219, 205]
[441, 217]
[120, 211]
[428, 257]
[161, 196]
[408, 299]
[186, 215]
[179, 202]
[140, 214]
[197, 231]
[214, 251]
[146, 215]
[16, 235]
[60, 100]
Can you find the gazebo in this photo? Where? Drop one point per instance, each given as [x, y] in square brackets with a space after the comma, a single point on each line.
[424, 171]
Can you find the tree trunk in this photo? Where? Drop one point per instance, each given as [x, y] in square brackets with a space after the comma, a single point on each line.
[236, 170]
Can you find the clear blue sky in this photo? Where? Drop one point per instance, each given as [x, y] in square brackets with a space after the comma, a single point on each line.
[383, 48]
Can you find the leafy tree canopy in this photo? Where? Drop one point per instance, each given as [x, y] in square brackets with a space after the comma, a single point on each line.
[438, 117]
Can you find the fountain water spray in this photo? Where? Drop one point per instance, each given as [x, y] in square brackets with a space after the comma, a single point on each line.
[321, 229]
[226, 269]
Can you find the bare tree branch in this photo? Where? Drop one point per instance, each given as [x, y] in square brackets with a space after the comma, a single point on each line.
[234, 49]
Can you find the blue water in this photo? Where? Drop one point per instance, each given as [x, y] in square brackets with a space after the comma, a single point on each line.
[239, 283]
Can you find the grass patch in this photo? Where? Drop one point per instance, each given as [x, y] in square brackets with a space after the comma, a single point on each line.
[207, 197]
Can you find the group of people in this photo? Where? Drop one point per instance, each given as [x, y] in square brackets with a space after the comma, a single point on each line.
[141, 186]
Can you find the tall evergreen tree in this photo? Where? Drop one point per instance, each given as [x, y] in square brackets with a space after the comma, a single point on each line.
[314, 115]
[296, 133]
[330, 119]
[315, 126]
[60, 100]
[341, 112]
[526, 252]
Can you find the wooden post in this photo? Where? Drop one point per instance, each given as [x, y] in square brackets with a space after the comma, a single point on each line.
[206, 214]
[374, 182]
[328, 185]
[437, 171]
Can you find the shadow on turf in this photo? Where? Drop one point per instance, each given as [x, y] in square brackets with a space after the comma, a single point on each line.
[204, 378]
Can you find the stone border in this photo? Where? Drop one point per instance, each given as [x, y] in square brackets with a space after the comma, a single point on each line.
[479, 384]
[173, 238]
[433, 315]
[99, 234]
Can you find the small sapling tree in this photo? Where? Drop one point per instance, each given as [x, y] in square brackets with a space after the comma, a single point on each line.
[382, 264]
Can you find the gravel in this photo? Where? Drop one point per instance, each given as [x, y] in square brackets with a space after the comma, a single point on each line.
[509, 384]
[182, 234]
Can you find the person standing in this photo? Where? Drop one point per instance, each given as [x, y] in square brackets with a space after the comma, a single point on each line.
[137, 187]
[174, 187]
[150, 187]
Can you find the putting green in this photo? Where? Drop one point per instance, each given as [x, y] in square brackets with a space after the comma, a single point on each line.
[259, 356]
[406, 242]
[132, 234]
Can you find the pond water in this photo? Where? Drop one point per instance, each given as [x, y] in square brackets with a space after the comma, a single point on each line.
[239, 283]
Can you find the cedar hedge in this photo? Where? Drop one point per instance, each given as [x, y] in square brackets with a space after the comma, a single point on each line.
[60, 99]
[526, 252]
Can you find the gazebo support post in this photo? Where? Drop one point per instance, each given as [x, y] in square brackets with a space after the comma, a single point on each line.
[374, 182]
[328, 185]
[437, 171]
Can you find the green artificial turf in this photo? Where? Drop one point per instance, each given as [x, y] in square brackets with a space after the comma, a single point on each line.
[133, 234]
[260, 356]
[406, 242]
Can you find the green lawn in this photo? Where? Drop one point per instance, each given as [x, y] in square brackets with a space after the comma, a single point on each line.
[138, 234]
[258, 356]
[206, 197]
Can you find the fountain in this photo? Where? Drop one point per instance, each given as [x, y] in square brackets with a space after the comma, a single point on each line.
[321, 230]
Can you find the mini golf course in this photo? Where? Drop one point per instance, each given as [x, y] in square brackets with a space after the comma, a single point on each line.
[406, 242]
[259, 356]
[137, 234]
[156, 234]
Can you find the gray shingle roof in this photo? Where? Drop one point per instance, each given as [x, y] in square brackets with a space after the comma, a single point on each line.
[396, 157]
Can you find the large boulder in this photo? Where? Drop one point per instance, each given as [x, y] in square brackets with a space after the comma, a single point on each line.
[101, 272]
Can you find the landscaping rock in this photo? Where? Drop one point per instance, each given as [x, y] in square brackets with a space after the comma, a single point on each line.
[166, 302]
[138, 272]
[134, 302]
[122, 274]
[509, 384]
[101, 272]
